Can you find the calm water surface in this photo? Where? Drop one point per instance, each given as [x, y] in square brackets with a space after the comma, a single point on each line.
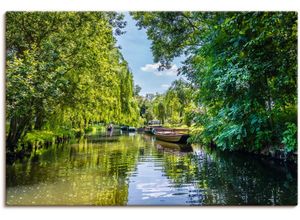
[137, 170]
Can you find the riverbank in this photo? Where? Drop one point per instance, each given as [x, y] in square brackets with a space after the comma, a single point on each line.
[36, 141]
[278, 154]
[275, 153]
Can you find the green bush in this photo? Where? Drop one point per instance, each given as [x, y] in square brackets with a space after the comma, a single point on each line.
[65, 133]
[290, 137]
[39, 137]
[46, 136]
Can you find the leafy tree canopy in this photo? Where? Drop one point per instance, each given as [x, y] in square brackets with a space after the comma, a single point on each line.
[244, 66]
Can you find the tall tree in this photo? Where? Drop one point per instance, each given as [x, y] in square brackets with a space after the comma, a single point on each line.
[64, 70]
[244, 66]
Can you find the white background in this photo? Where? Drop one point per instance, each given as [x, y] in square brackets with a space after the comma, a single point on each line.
[153, 213]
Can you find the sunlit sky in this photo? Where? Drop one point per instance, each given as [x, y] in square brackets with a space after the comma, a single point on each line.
[136, 49]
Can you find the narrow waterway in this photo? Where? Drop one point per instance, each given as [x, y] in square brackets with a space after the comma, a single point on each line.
[135, 169]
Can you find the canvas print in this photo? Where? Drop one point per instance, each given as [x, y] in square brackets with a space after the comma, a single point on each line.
[181, 108]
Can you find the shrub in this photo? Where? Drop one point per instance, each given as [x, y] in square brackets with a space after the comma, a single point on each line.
[290, 137]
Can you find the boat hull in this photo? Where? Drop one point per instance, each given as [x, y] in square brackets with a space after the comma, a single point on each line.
[174, 138]
[131, 129]
[153, 129]
[149, 132]
[128, 129]
[173, 146]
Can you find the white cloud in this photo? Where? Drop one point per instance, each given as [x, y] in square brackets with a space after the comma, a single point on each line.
[153, 68]
[165, 85]
[150, 67]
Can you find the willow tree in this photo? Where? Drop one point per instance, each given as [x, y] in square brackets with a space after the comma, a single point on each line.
[64, 70]
[175, 105]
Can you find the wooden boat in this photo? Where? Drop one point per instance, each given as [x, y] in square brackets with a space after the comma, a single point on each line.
[126, 128]
[173, 146]
[172, 137]
[181, 130]
[131, 129]
[154, 129]
[151, 129]
[140, 129]
[148, 130]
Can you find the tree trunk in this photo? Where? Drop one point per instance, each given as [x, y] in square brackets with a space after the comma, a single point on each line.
[39, 114]
[39, 120]
[18, 127]
[11, 140]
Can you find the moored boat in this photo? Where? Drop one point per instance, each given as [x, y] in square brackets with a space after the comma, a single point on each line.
[152, 129]
[173, 146]
[126, 128]
[149, 130]
[131, 129]
[172, 137]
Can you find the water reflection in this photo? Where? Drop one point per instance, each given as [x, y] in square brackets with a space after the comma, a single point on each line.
[85, 173]
[135, 169]
[166, 146]
[235, 178]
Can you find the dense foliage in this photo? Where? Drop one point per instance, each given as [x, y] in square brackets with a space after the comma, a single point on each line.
[175, 107]
[64, 72]
[245, 68]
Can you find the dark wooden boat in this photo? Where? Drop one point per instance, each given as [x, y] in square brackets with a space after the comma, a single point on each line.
[126, 128]
[140, 129]
[131, 129]
[172, 137]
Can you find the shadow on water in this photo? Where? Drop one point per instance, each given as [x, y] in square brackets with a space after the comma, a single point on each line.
[162, 145]
[135, 169]
[237, 178]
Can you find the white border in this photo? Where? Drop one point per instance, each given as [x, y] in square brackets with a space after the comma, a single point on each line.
[148, 5]
[169, 213]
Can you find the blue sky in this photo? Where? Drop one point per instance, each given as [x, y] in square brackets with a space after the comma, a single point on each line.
[136, 51]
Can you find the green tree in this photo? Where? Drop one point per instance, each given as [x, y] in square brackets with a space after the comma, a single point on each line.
[244, 66]
[64, 71]
[137, 90]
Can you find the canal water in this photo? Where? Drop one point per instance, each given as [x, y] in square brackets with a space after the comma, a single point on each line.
[135, 169]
